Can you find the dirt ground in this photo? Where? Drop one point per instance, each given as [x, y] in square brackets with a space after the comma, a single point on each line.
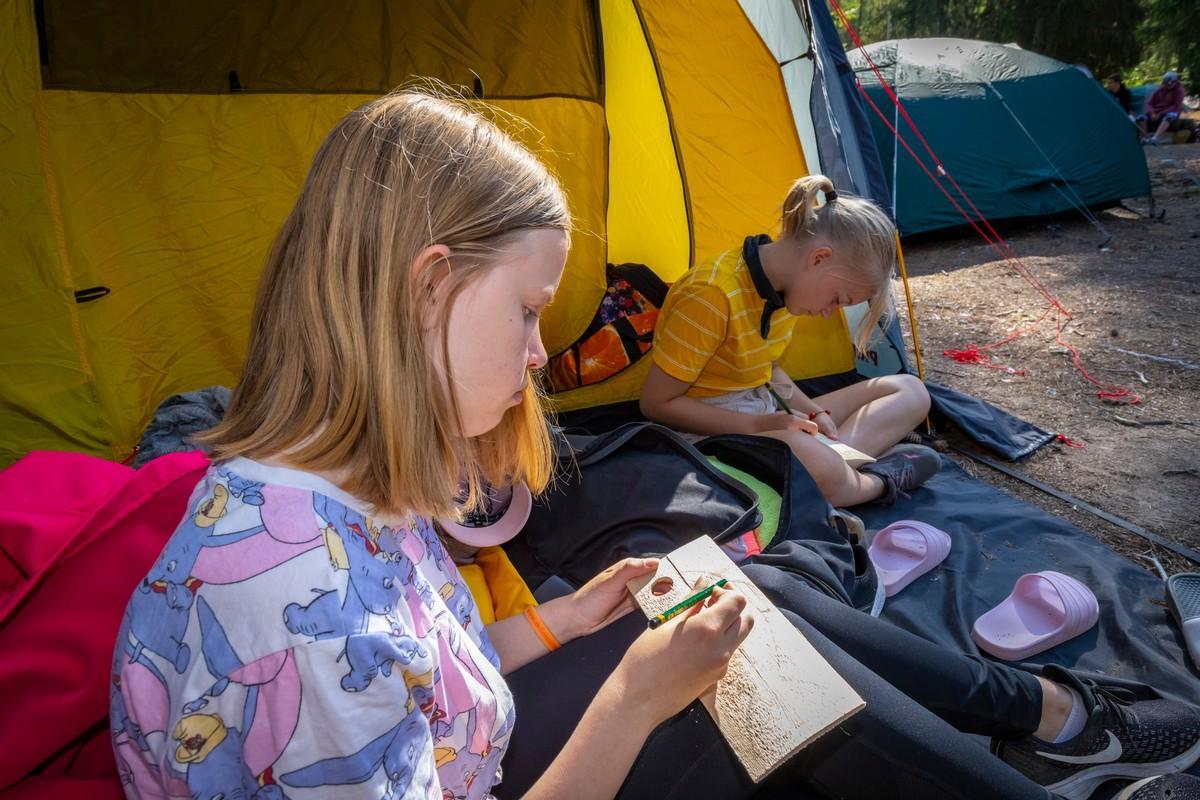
[1135, 308]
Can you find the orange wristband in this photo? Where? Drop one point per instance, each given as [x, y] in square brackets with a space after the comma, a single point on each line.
[541, 630]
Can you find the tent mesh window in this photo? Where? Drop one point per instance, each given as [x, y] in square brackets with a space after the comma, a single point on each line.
[510, 49]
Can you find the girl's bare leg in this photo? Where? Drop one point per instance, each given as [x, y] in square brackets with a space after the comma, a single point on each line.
[875, 414]
[841, 485]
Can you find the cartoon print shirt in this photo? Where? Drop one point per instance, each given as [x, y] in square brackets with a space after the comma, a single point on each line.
[287, 645]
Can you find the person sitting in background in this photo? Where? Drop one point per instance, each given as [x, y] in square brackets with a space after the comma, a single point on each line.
[1162, 109]
[1120, 93]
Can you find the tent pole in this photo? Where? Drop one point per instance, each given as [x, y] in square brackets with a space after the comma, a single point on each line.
[912, 316]
[912, 321]
[895, 142]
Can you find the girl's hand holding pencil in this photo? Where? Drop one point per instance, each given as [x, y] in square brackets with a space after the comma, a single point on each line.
[684, 605]
[805, 424]
[669, 666]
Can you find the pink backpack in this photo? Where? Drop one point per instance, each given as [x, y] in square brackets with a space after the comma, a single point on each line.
[76, 535]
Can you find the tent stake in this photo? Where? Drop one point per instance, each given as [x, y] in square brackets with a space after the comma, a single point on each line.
[1178, 549]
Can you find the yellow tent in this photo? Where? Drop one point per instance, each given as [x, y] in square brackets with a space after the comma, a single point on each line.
[151, 150]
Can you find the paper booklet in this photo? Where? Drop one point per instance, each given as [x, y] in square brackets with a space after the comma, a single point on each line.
[855, 458]
[779, 693]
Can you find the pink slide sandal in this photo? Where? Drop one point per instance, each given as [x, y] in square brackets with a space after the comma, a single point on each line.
[1044, 609]
[906, 550]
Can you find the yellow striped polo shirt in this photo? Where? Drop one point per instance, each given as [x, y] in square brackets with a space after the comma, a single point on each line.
[708, 333]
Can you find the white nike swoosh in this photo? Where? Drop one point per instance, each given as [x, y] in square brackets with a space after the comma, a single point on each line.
[1105, 756]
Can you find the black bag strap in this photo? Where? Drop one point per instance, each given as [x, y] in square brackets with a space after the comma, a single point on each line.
[606, 444]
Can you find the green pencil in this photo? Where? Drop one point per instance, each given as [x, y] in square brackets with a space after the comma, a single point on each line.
[679, 608]
[778, 399]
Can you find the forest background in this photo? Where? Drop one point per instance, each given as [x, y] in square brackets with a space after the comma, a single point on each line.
[1140, 39]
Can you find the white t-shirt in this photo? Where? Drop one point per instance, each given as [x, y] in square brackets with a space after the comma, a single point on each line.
[285, 644]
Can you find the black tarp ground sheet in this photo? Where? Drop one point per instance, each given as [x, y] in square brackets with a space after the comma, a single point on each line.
[996, 539]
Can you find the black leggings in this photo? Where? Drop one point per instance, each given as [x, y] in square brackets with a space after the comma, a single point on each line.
[896, 747]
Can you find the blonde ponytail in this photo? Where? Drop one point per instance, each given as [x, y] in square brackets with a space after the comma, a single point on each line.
[862, 233]
[800, 206]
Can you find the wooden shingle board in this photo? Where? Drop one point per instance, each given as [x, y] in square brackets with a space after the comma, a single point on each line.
[779, 693]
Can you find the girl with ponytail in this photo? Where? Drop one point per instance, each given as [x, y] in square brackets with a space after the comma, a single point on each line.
[726, 323]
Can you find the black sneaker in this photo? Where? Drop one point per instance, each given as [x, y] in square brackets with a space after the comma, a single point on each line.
[903, 468]
[1122, 738]
[1163, 787]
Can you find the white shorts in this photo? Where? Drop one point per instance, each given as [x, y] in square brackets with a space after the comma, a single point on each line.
[757, 401]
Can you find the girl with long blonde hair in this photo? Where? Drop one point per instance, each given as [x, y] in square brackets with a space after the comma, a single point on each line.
[304, 628]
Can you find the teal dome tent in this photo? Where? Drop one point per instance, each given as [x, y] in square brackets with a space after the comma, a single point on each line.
[1022, 134]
